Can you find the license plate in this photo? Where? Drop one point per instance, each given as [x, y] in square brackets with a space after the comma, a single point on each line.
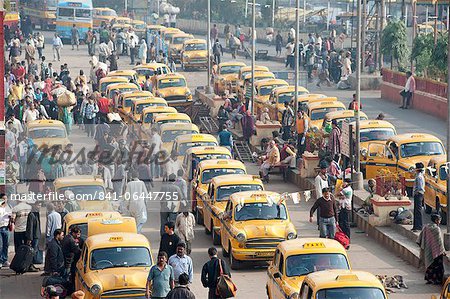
[264, 254]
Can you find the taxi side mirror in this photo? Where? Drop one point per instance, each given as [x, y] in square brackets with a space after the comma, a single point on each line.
[364, 153]
[277, 275]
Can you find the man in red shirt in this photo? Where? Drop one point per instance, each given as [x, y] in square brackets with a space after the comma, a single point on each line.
[19, 72]
[103, 108]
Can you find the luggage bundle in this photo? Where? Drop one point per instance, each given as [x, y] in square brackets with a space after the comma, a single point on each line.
[66, 99]
[22, 259]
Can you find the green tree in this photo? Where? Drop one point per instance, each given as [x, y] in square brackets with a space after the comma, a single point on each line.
[423, 47]
[439, 57]
[394, 43]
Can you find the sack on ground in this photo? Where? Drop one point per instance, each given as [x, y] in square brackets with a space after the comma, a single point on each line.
[66, 99]
[22, 259]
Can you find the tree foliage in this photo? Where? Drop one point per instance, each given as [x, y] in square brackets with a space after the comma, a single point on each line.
[439, 57]
[394, 43]
[421, 52]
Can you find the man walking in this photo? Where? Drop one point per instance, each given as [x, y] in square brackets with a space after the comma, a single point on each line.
[169, 239]
[278, 43]
[302, 128]
[71, 248]
[5, 219]
[137, 192]
[217, 51]
[33, 234]
[160, 279]
[53, 221]
[19, 218]
[169, 207]
[57, 46]
[327, 214]
[184, 225]
[75, 37]
[287, 121]
[132, 45]
[418, 192]
[54, 260]
[211, 272]
[407, 92]
[181, 263]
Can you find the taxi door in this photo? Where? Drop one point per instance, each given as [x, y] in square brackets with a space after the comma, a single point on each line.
[81, 270]
[306, 291]
[275, 273]
[379, 156]
[225, 226]
[431, 184]
[207, 203]
[198, 195]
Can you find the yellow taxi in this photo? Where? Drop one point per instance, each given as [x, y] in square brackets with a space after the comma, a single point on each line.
[130, 74]
[294, 259]
[342, 284]
[445, 293]
[170, 131]
[166, 31]
[342, 116]
[114, 265]
[242, 89]
[150, 69]
[400, 153]
[171, 118]
[372, 130]
[155, 28]
[194, 54]
[138, 106]
[47, 133]
[103, 225]
[436, 187]
[169, 35]
[103, 15]
[119, 88]
[173, 88]
[87, 192]
[206, 171]
[227, 76]
[176, 44]
[283, 94]
[80, 219]
[105, 82]
[202, 153]
[125, 101]
[139, 27]
[317, 110]
[122, 20]
[183, 142]
[252, 226]
[219, 191]
[263, 89]
[148, 113]
[244, 71]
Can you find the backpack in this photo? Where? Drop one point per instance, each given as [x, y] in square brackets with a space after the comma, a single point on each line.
[225, 286]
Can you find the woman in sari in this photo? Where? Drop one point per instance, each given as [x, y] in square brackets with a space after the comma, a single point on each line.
[432, 250]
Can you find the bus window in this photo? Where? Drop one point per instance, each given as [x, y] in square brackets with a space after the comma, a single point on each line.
[82, 13]
[65, 12]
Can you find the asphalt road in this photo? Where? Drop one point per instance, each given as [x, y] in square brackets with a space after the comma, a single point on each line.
[365, 253]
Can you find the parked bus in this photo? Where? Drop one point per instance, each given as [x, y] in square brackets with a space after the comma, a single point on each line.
[12, 17]
[103, 14]
[78, 12]
[41, 12]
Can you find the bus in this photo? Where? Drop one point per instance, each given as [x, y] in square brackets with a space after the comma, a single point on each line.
[41, 12]
[12, 17]
[78, 12]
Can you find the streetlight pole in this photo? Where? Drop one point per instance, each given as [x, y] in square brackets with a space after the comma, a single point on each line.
[126, 6]
[273, 13]
[447, 234]
[253, 55]
[358, 180]
[297, 59]
[208, 43]
[304, 12]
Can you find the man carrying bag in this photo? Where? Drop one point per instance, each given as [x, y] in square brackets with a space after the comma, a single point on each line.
[216, 277]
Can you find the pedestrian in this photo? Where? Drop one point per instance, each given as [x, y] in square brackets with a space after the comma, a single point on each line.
[310, 60]
[184, 225]
[89, 114]
[248, 126]
[33, 234]
[132, 46]
[324, 74]
[408, 90]
[226, 138]
[271, 159]
[182, 184]
[354, 104]
[223, 117]
[418, 192]
[287, 121]
[90, 40]
[227, 34]
[346, 66]
[136, 193]
[181, 291]
[40, 43]
[19, 215]
[5, 226]
[30, 52]
[345, 206]
[321, 180]
[160, 280]
[169, 239]
[181, 263]
[234, 45]
[143, 52]
[211, 272]
[75, 37]
[432, 251]
[57, 46]
[170, 205]
[380, 116]
[334, 144]
[278, 43]
[217, 51]
[54, 259]
[290, 55]
[103, 52]
[71, 247]
[53, 221]
[302, 129]
[327, 214]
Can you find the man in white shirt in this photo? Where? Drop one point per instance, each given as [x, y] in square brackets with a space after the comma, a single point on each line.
[57, 46]
[103, 52]
[31, 114]
[320, 182]
[155, 147]
[19, 217]
[132, 45]
[184, 225]
[407, 92]
[5, 215]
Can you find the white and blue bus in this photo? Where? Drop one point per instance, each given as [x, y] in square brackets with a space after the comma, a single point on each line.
[78, 12]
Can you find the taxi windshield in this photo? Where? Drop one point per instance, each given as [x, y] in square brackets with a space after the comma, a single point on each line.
[303, 264]
[179, 40]
[170, 135]
[109, 13]
[120, 257]
[443, 173]
[266, 90]
[167, 83]
[183, 147]
[141, 107]
[421, 149]
[120, 90]
[321, 112]
[145, 72]
[128, 102]
[223, 192]
[212, 156]
[351, 292]
[260, 211]
[348, 119]
[230, 69]
[85, 192]
[287, 96]
[47, 133]
[209, 174]
[376, 134]
[195, 47]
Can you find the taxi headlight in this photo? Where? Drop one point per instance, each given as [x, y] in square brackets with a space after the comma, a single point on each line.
[294, 296]
[411, 169]
[240, 237]
[95, 289]
[187, 93]
[291, 236]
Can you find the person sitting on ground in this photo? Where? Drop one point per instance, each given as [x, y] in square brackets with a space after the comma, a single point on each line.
[265, 117]
[288, 154]
[271, 159]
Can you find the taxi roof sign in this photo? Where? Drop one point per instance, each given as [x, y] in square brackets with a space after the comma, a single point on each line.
[222, 162]
[116, 239]
[313, 245]
[346, 277]
[94, 214]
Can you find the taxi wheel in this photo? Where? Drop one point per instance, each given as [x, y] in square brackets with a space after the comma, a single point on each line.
[234, 264]
[215, 236]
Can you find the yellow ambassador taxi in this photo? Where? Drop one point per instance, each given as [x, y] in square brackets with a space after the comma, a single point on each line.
[194, 54]
[219, 191]
[131, 75]
[114, 265]
[139, 27]
[125, 101]
[84, 192]
[263, 89]
[244, 89]
[122, 20]
[168, 36]
[81, 218]
[342, 116]
[155, 28]
[147, 115]
[294, 259]
[436, 187]
[119, 88]
[105, 82]
[173, 88]
[183, 142]
[138, 106]
[317, 110]
[167, 30]
[283, 94]
[244, 71]
[252, 226]
[332, 284]
[206, 171]
[103, 15]
[445, 293]
[170, 118]
[150, 69]
[170, 131]
[227, 76]
[400, 153]
[47, 133]
[176, 44]
[202, 153]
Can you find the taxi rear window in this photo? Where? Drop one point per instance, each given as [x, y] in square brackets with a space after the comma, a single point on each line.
[223, 192]
[209, 174]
